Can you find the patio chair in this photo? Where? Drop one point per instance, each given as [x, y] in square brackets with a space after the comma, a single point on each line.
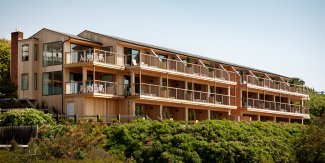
[101, 57]
[101, 88]
[95, 88]
[89, 57]
[89, 89]
[96, 57]
[134, 63]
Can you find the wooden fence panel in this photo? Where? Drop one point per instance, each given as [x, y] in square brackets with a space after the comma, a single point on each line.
[21, 134]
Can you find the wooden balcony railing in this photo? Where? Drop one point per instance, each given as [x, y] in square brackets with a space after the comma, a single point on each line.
[264, 82]
[188, 68]
[94, 56]
[185, 94]
[97, 86]
[271, 105]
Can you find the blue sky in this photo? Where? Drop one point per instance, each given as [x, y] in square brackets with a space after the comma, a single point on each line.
[282, 36]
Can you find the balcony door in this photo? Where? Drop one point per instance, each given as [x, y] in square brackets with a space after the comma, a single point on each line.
[70, 109]
[79, 53]
[132, 58]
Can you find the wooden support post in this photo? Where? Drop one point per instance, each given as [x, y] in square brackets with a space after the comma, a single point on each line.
[132, 108]
[98, 117]
[161, 111]
[209, 114]
[186, 114]
[57, 118]
[94, 73]
[132, 76]
[259, 117]
[167, 91]
[140, 80]
[264, 99]
[229, 102]
[84, 79]
[75, 118]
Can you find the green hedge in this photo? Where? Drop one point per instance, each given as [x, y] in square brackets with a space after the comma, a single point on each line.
[21, 117]
[208, 141]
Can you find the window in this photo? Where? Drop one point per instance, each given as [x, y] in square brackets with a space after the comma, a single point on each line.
[24, 81]
[35, 52]
[52, 53]
[132, 56]
[162, 57]
[25, 52]
[52, 83]
[35, 81]
[77, 52]
[107, 48]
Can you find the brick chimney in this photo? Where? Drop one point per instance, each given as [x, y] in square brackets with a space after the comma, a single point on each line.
[15, 36]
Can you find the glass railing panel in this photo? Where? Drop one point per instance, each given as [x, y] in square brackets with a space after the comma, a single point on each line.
[180, 94]
[180, 67]
[103, 87]
[172, 65]
[264, 82]
[183, 67]
[94, 56]
[73, 87]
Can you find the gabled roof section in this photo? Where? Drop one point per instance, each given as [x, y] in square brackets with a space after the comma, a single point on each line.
[182, 53]
[65, 34]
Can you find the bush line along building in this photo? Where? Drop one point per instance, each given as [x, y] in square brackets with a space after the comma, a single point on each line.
[92, 74]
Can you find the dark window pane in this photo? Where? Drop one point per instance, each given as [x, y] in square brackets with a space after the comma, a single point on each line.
[35, 81]
[107, 48]
[35, 52]
[52, 83]
[132, 59]
[57, 82]
[52, 53]
[24, 81]
[47, 80]
[47, 54]
[57, 53]
[80, 51]
[25, 52]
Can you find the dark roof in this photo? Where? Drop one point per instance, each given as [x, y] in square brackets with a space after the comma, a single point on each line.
[66, 34]
[183, 53]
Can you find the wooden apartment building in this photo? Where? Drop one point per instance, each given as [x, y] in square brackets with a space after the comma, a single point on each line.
[92, 74]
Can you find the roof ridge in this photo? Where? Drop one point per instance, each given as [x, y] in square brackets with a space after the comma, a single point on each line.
[183, 53]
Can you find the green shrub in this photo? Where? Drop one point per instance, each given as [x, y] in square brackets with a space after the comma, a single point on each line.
[68, 141]
[20, 117]
[311, 145]
[208, 141]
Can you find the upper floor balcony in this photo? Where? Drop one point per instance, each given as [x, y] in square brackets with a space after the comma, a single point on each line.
[274, 107]
[185, 96]
[95, 57]
[177, 67]
[95, 88]
[274, 86]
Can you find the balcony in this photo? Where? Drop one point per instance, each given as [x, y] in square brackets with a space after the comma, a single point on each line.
[96, 57]
[186, 96]
[97, 88]
[274, 107]
[155, 63]
[275, 86]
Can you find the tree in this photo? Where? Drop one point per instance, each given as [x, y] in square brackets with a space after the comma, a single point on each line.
[4, 58]
[6, 86]
[296, 81]
[316, 104]
[311, 145]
